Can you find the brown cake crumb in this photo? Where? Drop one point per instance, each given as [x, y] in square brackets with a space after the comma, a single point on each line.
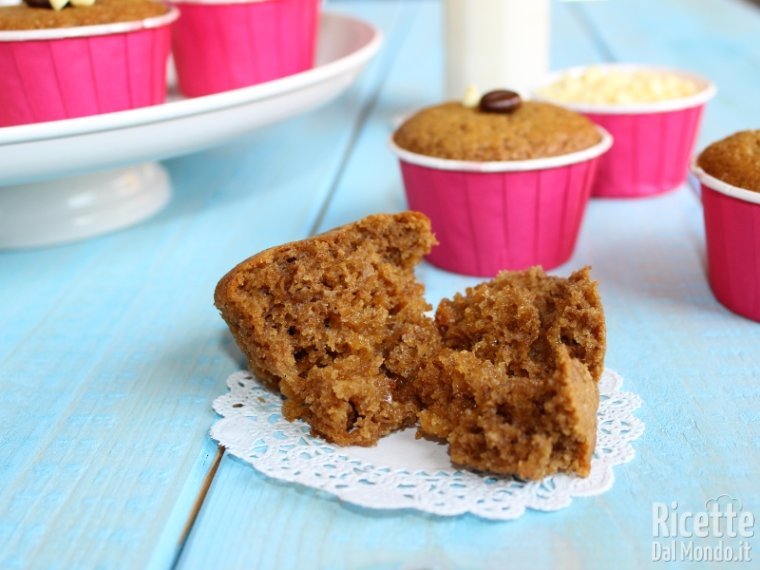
[519, 317]
[506, 373]
[337, 323]
[516, 392]
[512, 425]
[533, 130]
[23, 17]
[734, 160]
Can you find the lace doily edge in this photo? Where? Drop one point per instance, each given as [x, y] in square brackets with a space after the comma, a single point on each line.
[578, 488]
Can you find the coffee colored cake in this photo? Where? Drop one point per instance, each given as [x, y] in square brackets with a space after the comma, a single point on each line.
[516, 393]
[493, 421]
[337, 323]
[506, 373]
[531, 130]
[24, 17]
[734, 160]
[519, 317]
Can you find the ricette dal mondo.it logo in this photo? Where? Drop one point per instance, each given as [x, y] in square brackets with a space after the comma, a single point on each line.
[719, 533]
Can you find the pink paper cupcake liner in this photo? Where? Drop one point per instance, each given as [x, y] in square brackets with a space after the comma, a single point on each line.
[54, 74]
[221, 45]
[732, 231]
[654, 142]
[491, 216]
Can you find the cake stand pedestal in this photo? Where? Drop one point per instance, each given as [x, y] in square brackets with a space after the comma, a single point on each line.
[78, 207]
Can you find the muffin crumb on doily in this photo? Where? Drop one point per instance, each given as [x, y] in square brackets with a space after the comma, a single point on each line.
[506, 374]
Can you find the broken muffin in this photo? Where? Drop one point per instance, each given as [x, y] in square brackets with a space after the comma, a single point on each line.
[337, 323]
[515, 390]
[506, 373]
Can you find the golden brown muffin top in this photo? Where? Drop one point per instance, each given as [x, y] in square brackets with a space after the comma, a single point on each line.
[735, 160]
[533, 130]
[23, 17]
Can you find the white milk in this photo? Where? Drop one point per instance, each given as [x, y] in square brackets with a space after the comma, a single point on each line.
[495, 44]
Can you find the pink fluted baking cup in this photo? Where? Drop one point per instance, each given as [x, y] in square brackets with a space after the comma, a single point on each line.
[491, 216]
[654, 142]
[732, 231]
[221, 45]
[62, 73]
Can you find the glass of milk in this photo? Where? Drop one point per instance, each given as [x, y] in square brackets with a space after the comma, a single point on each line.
[495, 44]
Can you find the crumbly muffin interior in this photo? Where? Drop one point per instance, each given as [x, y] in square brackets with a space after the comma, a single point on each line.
[515, 392]
[337, 323]
[512, 425]
[506, 373]
[519, 317]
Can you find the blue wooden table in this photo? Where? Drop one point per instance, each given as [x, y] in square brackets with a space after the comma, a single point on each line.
[111, 350]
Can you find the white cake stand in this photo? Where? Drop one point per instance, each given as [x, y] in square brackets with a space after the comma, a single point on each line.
[68, 180]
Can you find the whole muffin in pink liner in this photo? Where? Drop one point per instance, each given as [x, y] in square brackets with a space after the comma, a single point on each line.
[221, 45]
[652, 112]
[81, 61]
[729, 174]
[503, 190]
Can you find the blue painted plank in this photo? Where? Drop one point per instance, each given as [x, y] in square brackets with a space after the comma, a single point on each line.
[695, 364]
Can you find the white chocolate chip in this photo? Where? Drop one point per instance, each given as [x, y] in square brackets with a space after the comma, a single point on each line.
[610, 87]
[58, 4]
[82, 2]
[471, 97]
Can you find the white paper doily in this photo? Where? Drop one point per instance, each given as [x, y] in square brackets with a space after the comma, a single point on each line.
[402, 472]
